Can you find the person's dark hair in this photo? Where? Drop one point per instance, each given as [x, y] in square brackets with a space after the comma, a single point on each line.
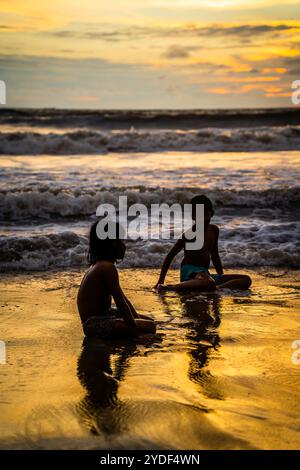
[202, 200]
[108, 249]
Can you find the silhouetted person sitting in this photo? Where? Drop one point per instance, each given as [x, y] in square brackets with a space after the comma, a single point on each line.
[99, 285]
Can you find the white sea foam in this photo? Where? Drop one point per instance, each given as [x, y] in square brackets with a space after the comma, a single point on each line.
[246, 244]
[16, 205]
[94, 142]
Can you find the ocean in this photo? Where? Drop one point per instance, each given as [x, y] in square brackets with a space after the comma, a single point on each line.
[57, 166]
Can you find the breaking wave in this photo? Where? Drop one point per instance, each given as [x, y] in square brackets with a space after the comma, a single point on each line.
[252, 244]
[204, 140]
[48, 203]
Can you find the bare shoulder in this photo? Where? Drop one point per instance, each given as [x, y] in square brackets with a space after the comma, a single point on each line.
[105, 267]
[214, 228]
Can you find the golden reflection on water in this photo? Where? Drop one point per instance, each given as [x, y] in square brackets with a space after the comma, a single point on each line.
[219, 374]
[158, 169]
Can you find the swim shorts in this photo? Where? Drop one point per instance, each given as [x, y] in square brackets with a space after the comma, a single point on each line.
[100, 326]
[189, 271]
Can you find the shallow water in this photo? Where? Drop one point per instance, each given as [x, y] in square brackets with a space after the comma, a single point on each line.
[218, 375]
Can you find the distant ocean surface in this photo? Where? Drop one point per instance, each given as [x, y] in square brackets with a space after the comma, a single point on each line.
[57, 166]
[61, 132]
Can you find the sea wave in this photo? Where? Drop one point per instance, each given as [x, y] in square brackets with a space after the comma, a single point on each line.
[156, 118]
[48, 203]
[272, 244]
[204, 140]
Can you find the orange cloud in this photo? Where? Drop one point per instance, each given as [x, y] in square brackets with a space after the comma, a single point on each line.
[278, 95]
[251, 79]
[219, 91]
[243, 89]
[274, 70]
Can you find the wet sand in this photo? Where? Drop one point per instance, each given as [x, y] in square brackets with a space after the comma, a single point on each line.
[218, 376]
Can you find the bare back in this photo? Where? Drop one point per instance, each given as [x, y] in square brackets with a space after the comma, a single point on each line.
[94, 296]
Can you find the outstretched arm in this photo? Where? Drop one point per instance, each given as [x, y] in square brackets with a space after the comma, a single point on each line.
[168, 260]
[215, 257]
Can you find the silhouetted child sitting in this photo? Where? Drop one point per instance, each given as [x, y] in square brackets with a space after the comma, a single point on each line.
[194, 273]
[99, 285]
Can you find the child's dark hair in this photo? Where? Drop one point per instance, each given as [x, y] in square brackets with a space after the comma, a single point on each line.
[202, 200]
[109, 249]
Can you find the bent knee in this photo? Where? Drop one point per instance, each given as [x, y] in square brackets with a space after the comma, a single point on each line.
[208, 285]
[248, 281]
[152, 327]
[245, 281]
[147, 326]
[211, 285]
[206, 282]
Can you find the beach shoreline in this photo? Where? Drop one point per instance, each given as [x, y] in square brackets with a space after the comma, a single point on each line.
[211, 375]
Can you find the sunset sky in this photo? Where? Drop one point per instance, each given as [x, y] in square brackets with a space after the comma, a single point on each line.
[149, 53]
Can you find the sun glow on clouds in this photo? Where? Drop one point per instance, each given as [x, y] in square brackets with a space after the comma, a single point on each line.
[219, 4]
[147, 58]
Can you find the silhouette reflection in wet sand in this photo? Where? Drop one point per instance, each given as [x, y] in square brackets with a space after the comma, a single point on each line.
[203, 313]
[95, 373]
[155, 421]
